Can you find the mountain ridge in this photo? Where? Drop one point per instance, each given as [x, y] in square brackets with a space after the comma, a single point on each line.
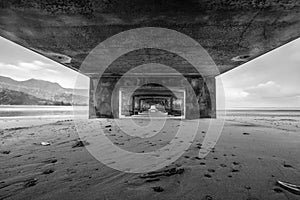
[46, 90]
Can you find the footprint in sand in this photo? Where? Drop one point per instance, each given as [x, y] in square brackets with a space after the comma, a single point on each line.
[49, 161]
[152, 180]
[30, 182]
[157, 189]
[48, 171]
[235, 163]
[211, 170]
[202, 163]
[207, 175]
[287, 165]
[223, 165]
[5, 152]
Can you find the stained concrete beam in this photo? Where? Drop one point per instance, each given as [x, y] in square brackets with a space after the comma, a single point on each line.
[232, 31]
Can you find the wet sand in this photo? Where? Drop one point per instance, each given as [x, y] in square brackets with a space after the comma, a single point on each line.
[248, 159]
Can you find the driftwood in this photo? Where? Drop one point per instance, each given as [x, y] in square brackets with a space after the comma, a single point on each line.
[290, 187]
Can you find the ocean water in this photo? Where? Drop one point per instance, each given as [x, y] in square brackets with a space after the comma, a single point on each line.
[32, 111]
[264, 116]
[264, 112]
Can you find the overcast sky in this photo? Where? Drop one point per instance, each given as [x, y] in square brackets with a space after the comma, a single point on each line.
[272, 80]
[21, 64]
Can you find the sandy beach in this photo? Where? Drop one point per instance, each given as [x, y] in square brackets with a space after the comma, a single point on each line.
[248, 159]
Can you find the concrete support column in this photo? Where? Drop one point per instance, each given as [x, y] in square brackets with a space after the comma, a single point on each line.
[92, 111]
[211, 85]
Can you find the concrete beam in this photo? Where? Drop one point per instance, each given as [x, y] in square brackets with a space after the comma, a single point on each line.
[232, 31]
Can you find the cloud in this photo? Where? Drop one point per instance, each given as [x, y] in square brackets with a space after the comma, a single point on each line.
[26, 70]
[271, 89]
[265, 90]
[29, 66]
[235, 94]
[52, 71]
[45, 71]
[4, 66]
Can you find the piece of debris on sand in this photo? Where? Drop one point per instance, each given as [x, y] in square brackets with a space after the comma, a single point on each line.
[164, 172]
[45, 143]
[80, 143]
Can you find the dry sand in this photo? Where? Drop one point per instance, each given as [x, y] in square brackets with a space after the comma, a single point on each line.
[250, 156]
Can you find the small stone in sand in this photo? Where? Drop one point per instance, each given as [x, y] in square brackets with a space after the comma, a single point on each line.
[235, 170]
[30, 182]
[107, 126]
[45, 143]
[158, 189]
[202, 163]
[246, 133]
[80, 143]
[211, 170]
[247, 187]
[223, 165]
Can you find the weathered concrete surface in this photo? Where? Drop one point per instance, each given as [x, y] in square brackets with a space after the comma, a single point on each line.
[232, 31]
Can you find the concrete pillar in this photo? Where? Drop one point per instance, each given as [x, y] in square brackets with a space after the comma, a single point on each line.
[211, 85]
[92, 111]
